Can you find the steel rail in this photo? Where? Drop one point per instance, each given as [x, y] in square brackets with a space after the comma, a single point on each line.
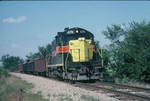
[121, 93]
[125, 86]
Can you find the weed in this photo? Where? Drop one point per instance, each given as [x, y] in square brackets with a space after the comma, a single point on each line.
[61, 94]
[28, 85]
[3, 73]
[14, 89]
[39, 92]
[65, 97]
[11, 89]
[68, 99]
[34, 97]
[54, 95]
[48, 95]
[88, 98]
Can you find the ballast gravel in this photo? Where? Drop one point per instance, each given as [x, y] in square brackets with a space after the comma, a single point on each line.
[58, 91]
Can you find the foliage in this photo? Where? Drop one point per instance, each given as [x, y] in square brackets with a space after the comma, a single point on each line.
[97, 44]
[88, 98]
[106, 57]
[113, 33]
[63, 97]
[34, 97]
[10, 62]
[3, 73]
[42, 52]
[130, 57]
[14, 89]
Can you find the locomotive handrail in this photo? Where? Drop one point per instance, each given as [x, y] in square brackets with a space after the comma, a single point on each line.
[62, 55]
[100, 54]
[66, 61]
[89, 49]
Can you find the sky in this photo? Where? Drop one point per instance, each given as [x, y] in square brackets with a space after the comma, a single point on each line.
[25, 25]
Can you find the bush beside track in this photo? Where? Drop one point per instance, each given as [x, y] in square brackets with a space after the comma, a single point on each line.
[14, 89]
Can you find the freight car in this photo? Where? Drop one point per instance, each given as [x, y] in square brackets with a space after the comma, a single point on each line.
[37, 66]
[74, 57]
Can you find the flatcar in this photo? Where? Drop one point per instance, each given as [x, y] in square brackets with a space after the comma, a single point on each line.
[74, 56]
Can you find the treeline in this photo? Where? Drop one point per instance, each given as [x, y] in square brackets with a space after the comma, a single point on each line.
[42, 52]
[11, 62]
[127, 57]
[129, 51]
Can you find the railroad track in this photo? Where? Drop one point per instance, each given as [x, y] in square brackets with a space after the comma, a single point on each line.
[119, 86]
[126, 93]
[120, 92]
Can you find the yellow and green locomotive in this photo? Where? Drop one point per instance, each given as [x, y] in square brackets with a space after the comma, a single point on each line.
[74, 56]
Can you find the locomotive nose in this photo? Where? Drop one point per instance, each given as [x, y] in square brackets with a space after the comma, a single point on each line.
[81, 50]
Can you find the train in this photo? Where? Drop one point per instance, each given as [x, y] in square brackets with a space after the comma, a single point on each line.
[74, 57]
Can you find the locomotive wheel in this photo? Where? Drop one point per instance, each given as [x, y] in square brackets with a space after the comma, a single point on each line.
[50, 74]
[72, 81]
[47, 74]
[65, 76]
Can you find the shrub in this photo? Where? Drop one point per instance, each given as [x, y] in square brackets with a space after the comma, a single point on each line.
[88, 98]
[14, 89]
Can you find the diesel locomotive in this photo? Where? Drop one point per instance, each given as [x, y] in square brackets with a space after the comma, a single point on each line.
[74, 57]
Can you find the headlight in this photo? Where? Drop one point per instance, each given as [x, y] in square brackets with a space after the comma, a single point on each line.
[77, 31]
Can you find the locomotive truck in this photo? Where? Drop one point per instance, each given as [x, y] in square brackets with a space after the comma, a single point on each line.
[74, 57]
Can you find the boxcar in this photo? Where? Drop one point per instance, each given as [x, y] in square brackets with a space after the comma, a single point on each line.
[40, 65]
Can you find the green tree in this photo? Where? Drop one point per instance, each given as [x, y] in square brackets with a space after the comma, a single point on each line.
[97, 44]
[32, 56]
[42, 52]
[114, 32]
[130, 58]
[137, 52]
[48, 49]
[10, 62]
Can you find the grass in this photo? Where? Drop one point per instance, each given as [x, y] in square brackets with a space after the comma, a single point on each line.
[66, 98]
[14, 89]
[88, 98]
[34, 97]
[63, 97]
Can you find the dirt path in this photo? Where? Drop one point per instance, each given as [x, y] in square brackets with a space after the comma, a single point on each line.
[59, 91]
